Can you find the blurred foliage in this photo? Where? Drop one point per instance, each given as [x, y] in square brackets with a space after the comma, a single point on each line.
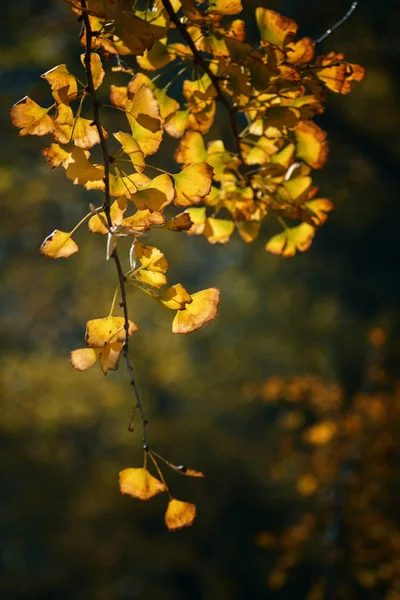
[280, 516]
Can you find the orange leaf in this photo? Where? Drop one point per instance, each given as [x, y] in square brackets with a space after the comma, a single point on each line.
[179, 514]
[181, 222]
[201, 310]
[139, 483]
[275, 28]
[58, 245]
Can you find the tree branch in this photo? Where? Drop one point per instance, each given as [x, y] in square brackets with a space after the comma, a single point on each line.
[215, 80]
[336, 25]
[107, 204]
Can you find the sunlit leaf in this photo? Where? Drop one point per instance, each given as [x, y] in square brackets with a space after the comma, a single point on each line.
[225, 7]
[312, 146]
[106, 331]
[58, 245]
[144, 117]
[193, 184]
[201, 310]
[64, 86]
[96, 67]
[291, 240]
[139, 483]
[181, 222]
[84, 358]
[275, 28]
[156, 195]
[179, 514]
[175, 297]
[31, 118]
[131, 147]
[218, 231]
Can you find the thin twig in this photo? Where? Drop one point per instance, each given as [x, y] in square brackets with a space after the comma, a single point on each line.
[107, 204]
[336, 25]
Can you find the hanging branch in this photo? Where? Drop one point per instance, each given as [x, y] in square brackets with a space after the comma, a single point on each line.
[107, 205]
[198, 58]
[336, 25]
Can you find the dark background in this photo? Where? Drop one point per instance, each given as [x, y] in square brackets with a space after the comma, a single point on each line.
[66, 530]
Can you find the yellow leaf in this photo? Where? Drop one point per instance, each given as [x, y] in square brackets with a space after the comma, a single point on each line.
[98, 223]
[143, 113]
[292, 239]
[201, 310]
[139, 483]
[142, 220]
[218, 231]
[198, 218]
[193, 184]
[132, 148]
[191, 149]
[109, 357]
[181, 222]
[156, 195]
[275, 28]
[84, 358]
[179, 514]
[55, 155]
[97, 69]
[155, 279]
[248, 230]
[58, 245]
[151, 258]
[100, 332]
[225, 7]
[77, 166]
[175, 297]
[64, 87]
[321, 433]
[177, 124]
[318, 210]
[312, 146]
[31, 118]
[157, 57]
[336, 74]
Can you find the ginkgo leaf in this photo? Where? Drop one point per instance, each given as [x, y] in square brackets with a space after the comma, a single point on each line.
[156, 195]
[181, 222]
[153, 278]
[177, 124]
[157, 57]
[225, 7]
[100, 332]
[336, 74]
[191, 149]
[84, 358]
[275, 28]
[58, 244]
[98, 223]
[142, 220]
[179, 514]
[218, 231]
[193, 184]
[98, 72]
[109, 357]
[312, 146]
[175, 297]
[64, 86]
[248, 230]
[151, 258]
[144, 117]
[77, 166]
[139, 483]
[31, 118]
[131, 147]
[318, 210]
[198, 216]
[291, 240]
[201, 310]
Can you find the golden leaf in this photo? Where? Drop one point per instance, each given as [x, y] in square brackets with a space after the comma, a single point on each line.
[142, 220]
[218, 231]
[31, 118]
[225, 7]
[312, 146]
[84, 358]
[248, 230]
[64, 87]
[100, 332]
[175, 297]
[156, 195]
[179, 514]
[58, 245]
[139, 483]
[292, 239]
[144, 117]
[191, 149]
[193, 184]
[96, 67]
[98, 223]
[132, 148]
[181, 222]
[201, 310]
[275, 28]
